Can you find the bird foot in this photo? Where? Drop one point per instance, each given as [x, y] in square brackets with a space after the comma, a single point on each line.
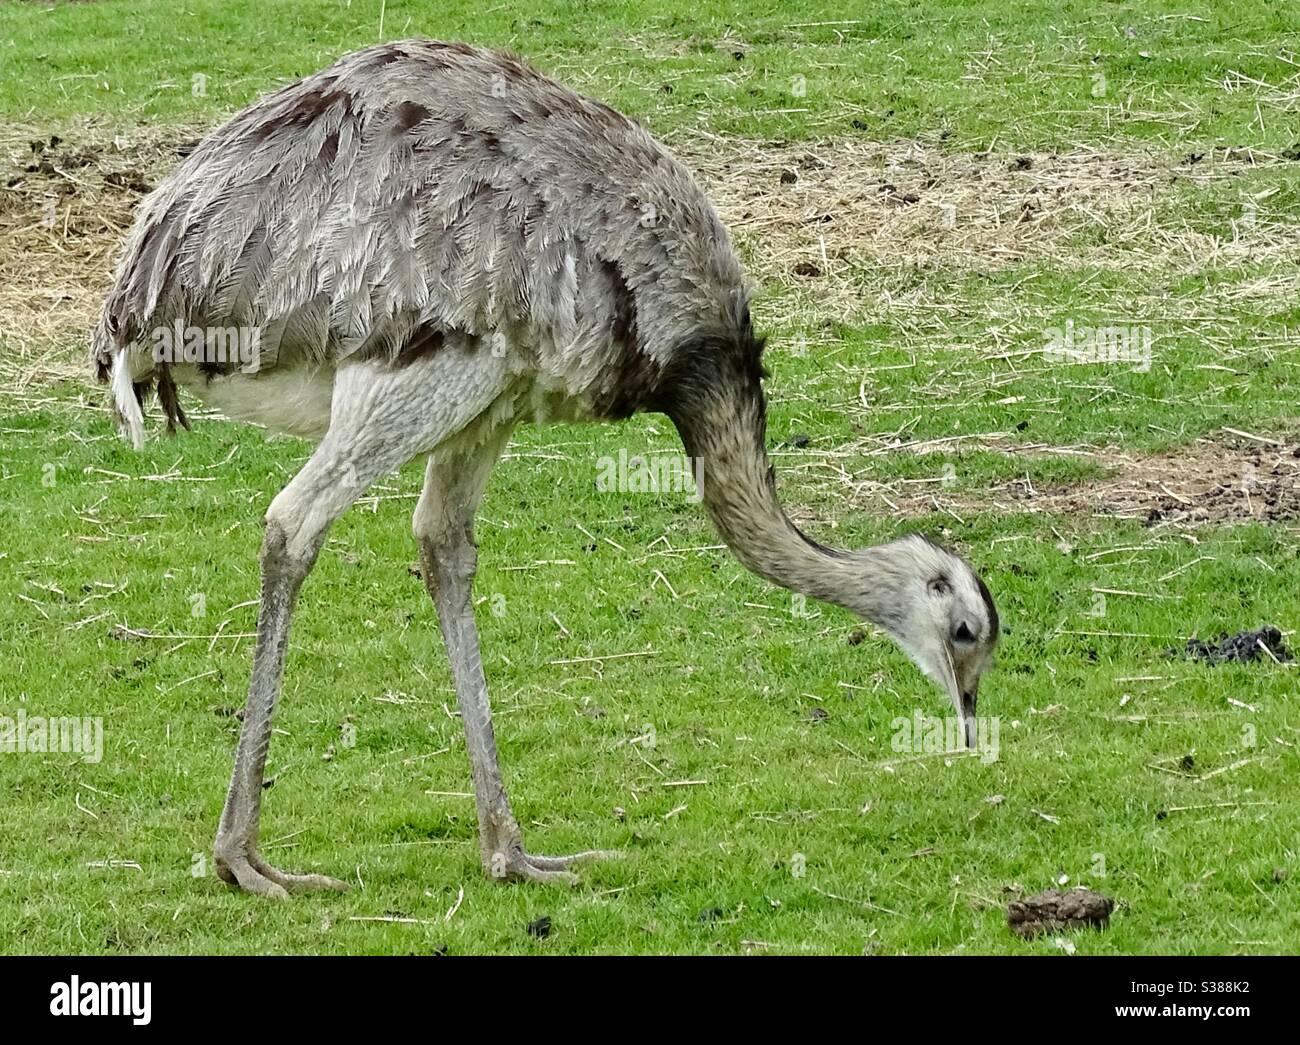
[511, 863]
[247, 870]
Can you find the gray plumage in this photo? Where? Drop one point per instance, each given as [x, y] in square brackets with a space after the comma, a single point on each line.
[419, 190]
[434, 244]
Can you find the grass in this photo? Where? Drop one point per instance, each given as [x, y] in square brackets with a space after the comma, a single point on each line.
[743, 758]
[1032, 70]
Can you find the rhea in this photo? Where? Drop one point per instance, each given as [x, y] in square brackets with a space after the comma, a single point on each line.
[433, 244]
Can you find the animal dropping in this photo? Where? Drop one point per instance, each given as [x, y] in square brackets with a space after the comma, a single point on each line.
[1057, 909]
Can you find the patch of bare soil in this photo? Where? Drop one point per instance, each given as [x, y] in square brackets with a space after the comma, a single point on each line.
[806, 214]
[1205, 482]
[1227, 479]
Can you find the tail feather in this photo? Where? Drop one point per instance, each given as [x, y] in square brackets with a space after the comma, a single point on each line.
[126, 400]
[131, 374]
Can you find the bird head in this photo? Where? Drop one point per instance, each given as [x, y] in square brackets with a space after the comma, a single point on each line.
[934, 605]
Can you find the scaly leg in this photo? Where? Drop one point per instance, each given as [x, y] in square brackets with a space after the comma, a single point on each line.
[295, 530]
[444, 521]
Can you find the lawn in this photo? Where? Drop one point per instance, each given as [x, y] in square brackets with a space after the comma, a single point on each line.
[922, 195]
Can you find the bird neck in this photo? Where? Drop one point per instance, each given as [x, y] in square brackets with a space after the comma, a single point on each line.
[725, 433]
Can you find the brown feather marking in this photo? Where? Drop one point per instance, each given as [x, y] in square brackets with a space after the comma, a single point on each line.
[329, 149]
[407, 115]
[423, 342]
[633, 376]
[302, 110]
[454, 46]
[385, 56]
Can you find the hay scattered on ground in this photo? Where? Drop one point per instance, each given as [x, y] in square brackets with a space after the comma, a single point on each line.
[814, 216]
[810, 217]
[66, 203]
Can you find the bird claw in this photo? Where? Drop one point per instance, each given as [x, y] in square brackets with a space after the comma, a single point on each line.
[513, 864]
[247, 870]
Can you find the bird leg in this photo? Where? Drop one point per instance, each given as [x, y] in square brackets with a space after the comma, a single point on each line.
[236, 853]
[381, 416]
[288, 553]
[448, 558]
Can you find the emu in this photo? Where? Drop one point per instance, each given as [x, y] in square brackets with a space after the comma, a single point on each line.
[437, 243]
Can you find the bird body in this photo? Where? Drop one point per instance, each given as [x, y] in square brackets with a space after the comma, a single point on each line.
[427, 244]
[417, 193]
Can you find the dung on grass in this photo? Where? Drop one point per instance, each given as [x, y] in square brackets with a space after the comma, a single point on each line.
[1244, 647]
[1057, 909]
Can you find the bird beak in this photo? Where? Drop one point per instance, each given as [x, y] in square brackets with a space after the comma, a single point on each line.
[963, 703]
[968, 717]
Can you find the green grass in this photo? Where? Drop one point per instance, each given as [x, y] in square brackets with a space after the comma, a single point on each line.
[1024, 70]
[799, 833]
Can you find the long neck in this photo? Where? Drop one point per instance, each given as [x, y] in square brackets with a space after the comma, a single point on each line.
[725, 432]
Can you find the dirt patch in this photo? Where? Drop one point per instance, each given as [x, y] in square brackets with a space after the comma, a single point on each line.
[807, 215]
[1225, 479]
[1204, 482]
